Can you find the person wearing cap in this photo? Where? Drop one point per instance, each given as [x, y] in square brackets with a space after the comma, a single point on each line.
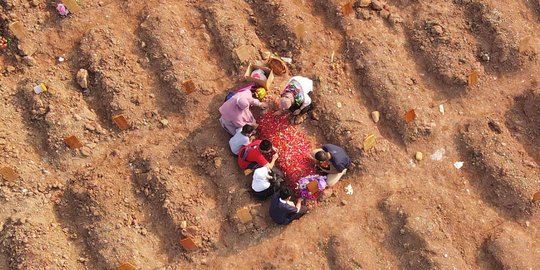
[295, 98]
[235, 112]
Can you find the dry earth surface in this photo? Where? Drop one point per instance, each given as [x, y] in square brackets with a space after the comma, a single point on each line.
[130, 195]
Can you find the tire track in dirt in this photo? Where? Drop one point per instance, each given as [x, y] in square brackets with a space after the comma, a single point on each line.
[22, 240]
[499, 29]
[108, 218]
[346, 117]
[417, 236]
[504, 180]
[118, 85]
[238, 43]
[391, 87]
[54, 115]
[434, 31]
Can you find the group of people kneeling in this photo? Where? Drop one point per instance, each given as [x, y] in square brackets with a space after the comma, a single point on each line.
[237, 119]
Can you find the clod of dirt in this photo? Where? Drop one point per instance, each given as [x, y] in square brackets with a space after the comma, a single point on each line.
[376, 5]
[437, 30]
[82, 78]
[364, 3]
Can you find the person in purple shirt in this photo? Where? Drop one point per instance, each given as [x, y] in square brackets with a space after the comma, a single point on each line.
[333, 160]
[282, 210]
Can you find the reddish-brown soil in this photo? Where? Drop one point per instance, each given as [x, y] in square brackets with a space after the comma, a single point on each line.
[131, 195]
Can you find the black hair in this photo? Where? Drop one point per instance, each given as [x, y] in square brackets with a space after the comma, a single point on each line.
[265, 145]
[285, 192]
[247, 129]
[321, 156]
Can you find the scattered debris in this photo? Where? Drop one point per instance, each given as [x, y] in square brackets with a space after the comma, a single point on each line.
[376, 5]
[438, 155]
[183, 224]
[61, 59]
[40, 88]
[349, 190]
[458, 164]
[339, 105]
[164, 122]
[419, 156]
[82, 78]
[3, 42]
[287, 59]
[485, 56]
[441, 108]
[364, 3]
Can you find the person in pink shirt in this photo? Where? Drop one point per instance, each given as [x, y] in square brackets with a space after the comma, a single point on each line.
[235, 111]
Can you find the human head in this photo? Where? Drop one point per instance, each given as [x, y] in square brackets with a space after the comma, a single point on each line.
[242, 103]
[285, 193]
[286, 101]
[265, 146]
[248, 130]
[322, 156]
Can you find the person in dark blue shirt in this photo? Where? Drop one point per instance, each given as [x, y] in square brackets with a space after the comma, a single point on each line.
[333, 160]
[282, 210]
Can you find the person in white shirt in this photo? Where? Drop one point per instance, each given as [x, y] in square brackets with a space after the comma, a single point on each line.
[265, 182]
[242, 137]
[295, 98]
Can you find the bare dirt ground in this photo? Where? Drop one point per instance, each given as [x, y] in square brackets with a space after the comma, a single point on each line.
[126, 195]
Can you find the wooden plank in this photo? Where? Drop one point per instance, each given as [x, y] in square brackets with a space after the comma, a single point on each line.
[188, 244]
[73, 142]
[127, 266]
[72, 5]
[120, 122]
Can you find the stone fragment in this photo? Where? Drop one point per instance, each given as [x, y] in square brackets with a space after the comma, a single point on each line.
[376, 116]
[82, 78]
[376, 5]
[419, 156]
[364, 3]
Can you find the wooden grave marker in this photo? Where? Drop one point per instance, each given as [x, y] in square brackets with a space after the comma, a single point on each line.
[244, 215]
[188, 244]
[536, 197]
[188, 86]
[369, 142]
[18, 30]
[72, 5]
[127, 266]
[410, 116]
[473, 78]
[9, 174]
[73, 142]
[347, 9]
[120, 122]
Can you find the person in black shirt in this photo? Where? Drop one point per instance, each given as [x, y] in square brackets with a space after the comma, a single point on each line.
[282, 210]
[332, 160]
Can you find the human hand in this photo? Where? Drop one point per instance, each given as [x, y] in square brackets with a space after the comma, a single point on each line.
[275, 156]
[264, 105]
[297, 112]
